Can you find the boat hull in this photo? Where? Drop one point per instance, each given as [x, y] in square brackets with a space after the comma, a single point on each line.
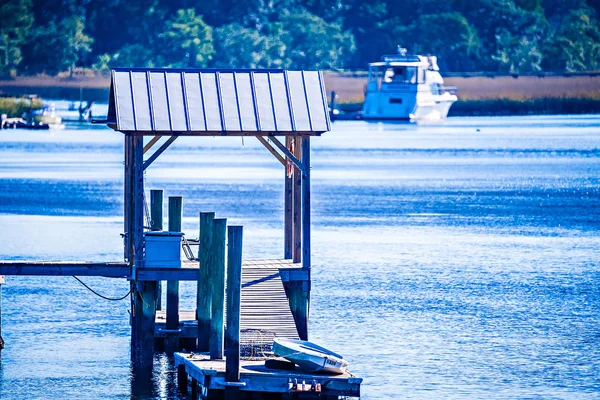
[310, 356]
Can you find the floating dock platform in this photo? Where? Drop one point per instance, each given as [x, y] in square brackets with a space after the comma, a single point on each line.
[203, 375]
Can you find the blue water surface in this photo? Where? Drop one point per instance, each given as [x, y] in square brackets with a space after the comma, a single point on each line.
[452, 260]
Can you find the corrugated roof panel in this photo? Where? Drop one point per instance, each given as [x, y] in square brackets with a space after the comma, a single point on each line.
[245, 101]
[263, 101]
[141, 101]
[177, 102]
[123, 99]
[212, 107]
[160, 105]
[194, 102]
[218, 101]
[280, 102]
[317, 107]
[229, 101]
[298, 100]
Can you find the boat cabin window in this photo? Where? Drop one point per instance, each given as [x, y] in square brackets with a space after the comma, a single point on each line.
[404, 74]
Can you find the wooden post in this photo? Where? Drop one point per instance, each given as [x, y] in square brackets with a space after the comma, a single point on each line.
[144, 293]
[156, 224]
[297, 204]
[305, 154]
[288, 239]
[1, 339]
[234, 287]
[172, 338]
[218, 288]
[182, 379]
[203, 295]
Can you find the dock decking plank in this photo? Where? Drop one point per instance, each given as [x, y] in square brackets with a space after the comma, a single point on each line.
[265, 306]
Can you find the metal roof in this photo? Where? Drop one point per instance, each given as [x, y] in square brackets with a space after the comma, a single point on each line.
[218, 102]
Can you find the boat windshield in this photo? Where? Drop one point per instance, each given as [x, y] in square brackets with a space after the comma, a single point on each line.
[397, 74]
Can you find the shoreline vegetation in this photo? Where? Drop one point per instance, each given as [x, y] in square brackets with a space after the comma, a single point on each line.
[478, 96]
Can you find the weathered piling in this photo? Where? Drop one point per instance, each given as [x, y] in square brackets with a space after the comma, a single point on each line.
[203, 294]
[172, 325]
[156, 224]
[234, 287]
[288, 238]
[218, 288]
[143, 292]
[297, 203]
[1, 338]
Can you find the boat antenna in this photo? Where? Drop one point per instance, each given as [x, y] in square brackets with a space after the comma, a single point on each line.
[402, 50]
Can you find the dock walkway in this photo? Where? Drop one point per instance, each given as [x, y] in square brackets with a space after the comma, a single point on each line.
[265, 306]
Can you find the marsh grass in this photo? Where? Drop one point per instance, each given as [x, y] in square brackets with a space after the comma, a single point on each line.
[15, 107]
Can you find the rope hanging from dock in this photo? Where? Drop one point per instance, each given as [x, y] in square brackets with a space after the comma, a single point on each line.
[99, 295]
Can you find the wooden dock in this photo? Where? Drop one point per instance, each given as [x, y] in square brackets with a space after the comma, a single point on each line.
[235, 299]
[202, 373]
[265, 306]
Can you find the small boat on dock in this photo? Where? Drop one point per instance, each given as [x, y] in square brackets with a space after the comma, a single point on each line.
[403, 87]
[309, 356]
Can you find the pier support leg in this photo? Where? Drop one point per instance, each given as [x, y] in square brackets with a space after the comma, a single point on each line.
[288, 239]
[203, 295]
[234, 288]
[1, 339]
[297, 204]
[143, 293]
[218, 288]
[172, 337]
[144, 315]
[156, 224]
[182, 379]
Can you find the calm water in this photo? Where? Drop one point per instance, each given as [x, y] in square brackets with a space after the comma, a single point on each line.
[450, 261]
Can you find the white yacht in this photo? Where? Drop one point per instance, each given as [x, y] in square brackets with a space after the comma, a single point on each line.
[406, 87]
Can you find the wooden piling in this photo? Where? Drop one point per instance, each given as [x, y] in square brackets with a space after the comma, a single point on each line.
[156, 224]
[218, 288]
[143, 293]
[297, 204]
[203, 295]
[1, 339]
[305, 157]
[288, 240]
[234, 287]
[156, 210]
[172, 325]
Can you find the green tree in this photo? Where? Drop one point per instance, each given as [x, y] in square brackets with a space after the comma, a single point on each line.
[313, 43]
[449, 36]
[576, 45]
[188, 41]
[59, 46]
[517, 54]
[16, 20]
[239, 47]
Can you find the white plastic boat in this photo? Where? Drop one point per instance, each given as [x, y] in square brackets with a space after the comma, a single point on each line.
[310, 356]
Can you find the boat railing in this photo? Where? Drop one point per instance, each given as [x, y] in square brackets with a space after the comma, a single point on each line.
[448, 89]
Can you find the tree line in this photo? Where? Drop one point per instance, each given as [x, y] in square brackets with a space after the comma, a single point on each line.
[53, 36]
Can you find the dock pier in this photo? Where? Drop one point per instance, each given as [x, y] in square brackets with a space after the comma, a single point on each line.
[241, 305]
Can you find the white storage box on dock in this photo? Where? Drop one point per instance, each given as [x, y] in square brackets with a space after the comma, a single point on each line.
[163, 249]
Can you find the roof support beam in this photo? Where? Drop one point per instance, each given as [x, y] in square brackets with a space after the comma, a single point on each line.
[159, 151]
[272, 150]
[151, 143]
[288, 153]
